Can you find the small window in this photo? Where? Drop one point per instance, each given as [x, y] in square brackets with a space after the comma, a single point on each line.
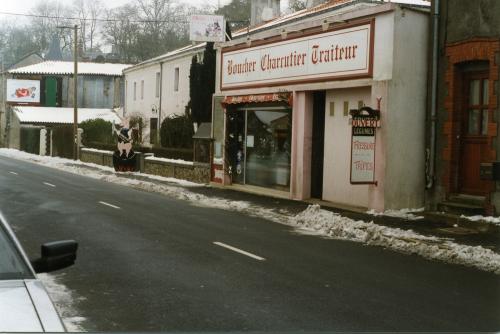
[142, 89]
[176, 80]
[158, 78]
[135, 91]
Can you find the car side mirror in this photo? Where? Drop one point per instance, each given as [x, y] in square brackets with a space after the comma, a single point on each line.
[56, 255]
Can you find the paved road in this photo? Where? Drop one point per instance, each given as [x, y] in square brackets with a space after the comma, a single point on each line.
[148, 262]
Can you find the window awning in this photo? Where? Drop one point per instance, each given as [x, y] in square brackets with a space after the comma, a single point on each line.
[258, 98]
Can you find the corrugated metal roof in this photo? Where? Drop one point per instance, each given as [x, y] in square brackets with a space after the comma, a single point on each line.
[66, 68]
[62, 115]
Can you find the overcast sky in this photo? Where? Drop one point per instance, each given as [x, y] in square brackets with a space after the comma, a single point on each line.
[24, 6]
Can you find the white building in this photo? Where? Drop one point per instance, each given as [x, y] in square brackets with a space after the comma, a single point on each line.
[285, 93]
[159, 87]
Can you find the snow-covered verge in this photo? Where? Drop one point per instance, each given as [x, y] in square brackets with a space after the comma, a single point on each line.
[492, 220]
[79, 167]
[172, 161]
[64, 300]
[406, 241]
[407, 214]
[314, 219]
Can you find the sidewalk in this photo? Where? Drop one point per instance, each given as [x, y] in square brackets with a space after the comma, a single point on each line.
[433, 224]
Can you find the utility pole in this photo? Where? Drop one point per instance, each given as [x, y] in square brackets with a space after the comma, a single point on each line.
[76, 148]
[76, 144]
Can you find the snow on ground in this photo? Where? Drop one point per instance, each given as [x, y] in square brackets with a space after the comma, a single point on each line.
[313, 220]
[174, 161]
[492, 220]
[79, 167]
[403, 213]
[64, 300]
[406, 241]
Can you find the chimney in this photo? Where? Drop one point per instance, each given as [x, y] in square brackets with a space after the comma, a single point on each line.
[263, 11]
[54, 52]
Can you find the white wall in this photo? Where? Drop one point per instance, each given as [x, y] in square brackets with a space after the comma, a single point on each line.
[173, 102]
[142, 106]
[384, 47]
[407, 91]
[336, 168]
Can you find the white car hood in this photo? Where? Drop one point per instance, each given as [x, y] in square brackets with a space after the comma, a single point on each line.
[26, 307]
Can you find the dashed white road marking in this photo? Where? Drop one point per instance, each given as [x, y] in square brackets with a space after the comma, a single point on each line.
[110, 205]
[49, 184]
[14, 173]
[237, 250]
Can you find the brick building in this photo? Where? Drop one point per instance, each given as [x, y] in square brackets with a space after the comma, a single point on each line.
[464, 135]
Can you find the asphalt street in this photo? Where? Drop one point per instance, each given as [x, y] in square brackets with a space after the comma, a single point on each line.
[148, 262]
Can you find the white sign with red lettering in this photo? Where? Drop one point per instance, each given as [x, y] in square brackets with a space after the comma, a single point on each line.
[329, 55]
[363, 158]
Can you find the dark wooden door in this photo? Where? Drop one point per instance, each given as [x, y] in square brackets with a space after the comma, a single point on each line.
[318, 144]
[474, 135]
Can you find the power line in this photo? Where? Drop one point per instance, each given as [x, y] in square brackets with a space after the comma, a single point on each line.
[95, 19]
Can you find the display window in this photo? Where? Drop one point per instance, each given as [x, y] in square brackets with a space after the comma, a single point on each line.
[259, 146]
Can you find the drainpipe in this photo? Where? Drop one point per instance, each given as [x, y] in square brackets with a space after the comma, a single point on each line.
[159, 109]
[432, 158]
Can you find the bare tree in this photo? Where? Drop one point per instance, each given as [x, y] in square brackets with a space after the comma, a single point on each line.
[95, 11]
[88, 13]
[121, 32]
[296, 5]
[80, 10]
[51, 14]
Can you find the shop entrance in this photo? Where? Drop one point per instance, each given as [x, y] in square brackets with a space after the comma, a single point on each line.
[473, 138]
[259, 146]
[236, 145]
[318, 144]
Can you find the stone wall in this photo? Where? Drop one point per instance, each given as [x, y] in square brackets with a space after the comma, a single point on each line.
[103, 158]
[196, 172]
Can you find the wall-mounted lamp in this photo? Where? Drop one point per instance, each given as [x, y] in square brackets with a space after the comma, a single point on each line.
[154, 109]
[249, 41]
[325, 25]
[283, 34]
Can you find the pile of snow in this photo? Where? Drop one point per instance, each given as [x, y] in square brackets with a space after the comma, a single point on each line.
[95, 150]
[406, 241]
[313, 220]
[64, 299]
[403, 213]
[172, 161]
[492, 220]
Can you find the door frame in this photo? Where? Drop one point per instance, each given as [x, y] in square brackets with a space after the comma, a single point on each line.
[458, 54]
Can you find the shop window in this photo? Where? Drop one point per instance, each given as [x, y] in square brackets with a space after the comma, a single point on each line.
[259, 147]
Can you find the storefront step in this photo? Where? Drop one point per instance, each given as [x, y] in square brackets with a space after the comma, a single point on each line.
[468, 199]
[461, 208]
